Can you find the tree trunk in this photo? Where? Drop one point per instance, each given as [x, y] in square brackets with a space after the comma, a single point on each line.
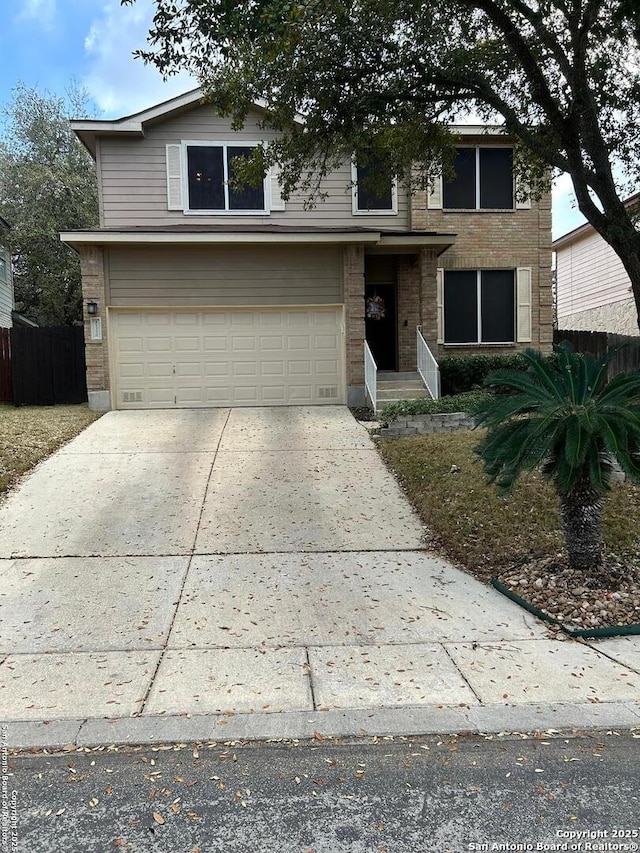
[581, 516]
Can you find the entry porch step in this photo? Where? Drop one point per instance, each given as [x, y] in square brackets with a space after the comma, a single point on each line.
[393, 387]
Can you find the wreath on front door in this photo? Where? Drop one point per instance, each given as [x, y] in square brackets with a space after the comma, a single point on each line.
[375, 308]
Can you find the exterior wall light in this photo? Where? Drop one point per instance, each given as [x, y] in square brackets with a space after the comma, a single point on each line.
[92, 307]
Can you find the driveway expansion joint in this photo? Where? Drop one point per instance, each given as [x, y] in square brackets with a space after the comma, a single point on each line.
[462, 675]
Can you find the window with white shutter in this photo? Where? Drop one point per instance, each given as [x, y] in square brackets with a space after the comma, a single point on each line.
[523, 302]
[201, 179]
[174, 177]
[434, 194]
[479, 306]
[277, 202]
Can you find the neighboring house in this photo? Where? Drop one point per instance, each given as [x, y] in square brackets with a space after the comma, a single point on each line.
[6, 279]
[207, 295]
[593, 290]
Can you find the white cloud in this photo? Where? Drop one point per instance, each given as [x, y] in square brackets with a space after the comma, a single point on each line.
[118, 83]
[41, 11]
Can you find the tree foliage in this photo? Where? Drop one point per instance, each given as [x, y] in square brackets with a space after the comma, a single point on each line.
[564, 417]
[384, 79]
[47, 185]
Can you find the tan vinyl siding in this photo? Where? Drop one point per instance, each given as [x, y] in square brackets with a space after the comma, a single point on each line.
[589, 275]
[133, 181]
[162, 276]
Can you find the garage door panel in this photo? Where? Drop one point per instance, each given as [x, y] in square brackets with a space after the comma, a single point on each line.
[274, 394]
[219, 396]
[187, 370]
[245, 368]
[189, 345]
[272, 368]
[326, 368]
[271, 343]
[301, 394]
[132, 371]
[217, 321]
[154, 320]
[220, 344]
[326, 342]
[159, 370]
[299, 342]
[130, 344]
[217, 368]
[228, 357]
[160, 396]
[159, 344]
[187, 319]
[299, 368]
[245, 395]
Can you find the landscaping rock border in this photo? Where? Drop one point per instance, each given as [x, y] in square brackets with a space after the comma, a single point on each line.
[444, 422]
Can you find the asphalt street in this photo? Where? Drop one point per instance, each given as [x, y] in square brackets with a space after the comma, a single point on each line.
[550, 792]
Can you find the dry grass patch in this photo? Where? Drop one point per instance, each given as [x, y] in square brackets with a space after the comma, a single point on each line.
[481, 531]
[30, 434]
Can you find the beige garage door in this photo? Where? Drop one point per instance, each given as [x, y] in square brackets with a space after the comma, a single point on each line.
[231, 357]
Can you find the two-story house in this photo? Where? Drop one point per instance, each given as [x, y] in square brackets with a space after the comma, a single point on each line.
[201, 293]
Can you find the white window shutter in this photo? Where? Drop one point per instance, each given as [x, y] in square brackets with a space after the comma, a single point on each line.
[440, 304]
[525, 203]
[523, 302]
[277, 202]
[434, 194]
[174, 177]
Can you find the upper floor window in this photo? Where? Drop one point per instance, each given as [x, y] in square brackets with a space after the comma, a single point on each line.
[211, 179]
[483, 180]
[3, 266]
[371, 195]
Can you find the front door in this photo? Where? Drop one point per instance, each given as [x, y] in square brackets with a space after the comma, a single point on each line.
[380, 324]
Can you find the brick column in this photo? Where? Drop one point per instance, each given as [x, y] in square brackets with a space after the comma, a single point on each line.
[97, 352]
[408, 310]
[354, 320]
[429, 298]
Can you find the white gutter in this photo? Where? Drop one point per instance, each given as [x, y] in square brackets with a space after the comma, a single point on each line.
[82, 238]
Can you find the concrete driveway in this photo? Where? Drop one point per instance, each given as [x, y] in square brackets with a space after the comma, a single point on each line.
[257, 570]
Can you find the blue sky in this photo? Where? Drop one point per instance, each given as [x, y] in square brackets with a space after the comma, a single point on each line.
[47, 43]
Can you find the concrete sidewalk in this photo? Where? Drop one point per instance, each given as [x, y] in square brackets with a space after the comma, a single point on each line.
[257, 573]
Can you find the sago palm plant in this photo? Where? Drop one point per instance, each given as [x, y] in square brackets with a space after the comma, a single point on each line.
[562, 416]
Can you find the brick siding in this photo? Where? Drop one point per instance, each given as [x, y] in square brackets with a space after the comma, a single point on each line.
[93, 289]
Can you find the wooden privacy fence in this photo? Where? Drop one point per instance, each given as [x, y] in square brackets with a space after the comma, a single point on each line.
[48, 365]
[626, 356]
[6, 393]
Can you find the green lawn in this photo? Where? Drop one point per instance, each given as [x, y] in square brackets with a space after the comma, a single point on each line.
[477, 529]
[29, 434]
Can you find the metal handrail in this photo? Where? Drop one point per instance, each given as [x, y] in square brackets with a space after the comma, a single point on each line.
[370, 376]
[427, 366]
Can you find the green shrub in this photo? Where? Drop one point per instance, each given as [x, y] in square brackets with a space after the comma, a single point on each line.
[467, 402]
[462, 373]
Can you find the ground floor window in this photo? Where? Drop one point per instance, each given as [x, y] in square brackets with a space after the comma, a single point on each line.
[479, 306]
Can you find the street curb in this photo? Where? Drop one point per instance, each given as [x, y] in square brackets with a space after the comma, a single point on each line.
[318, 725]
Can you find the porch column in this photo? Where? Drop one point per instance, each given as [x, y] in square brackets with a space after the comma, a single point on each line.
[408, 310]
[354, 322]
[96, 351]
[429, 298]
